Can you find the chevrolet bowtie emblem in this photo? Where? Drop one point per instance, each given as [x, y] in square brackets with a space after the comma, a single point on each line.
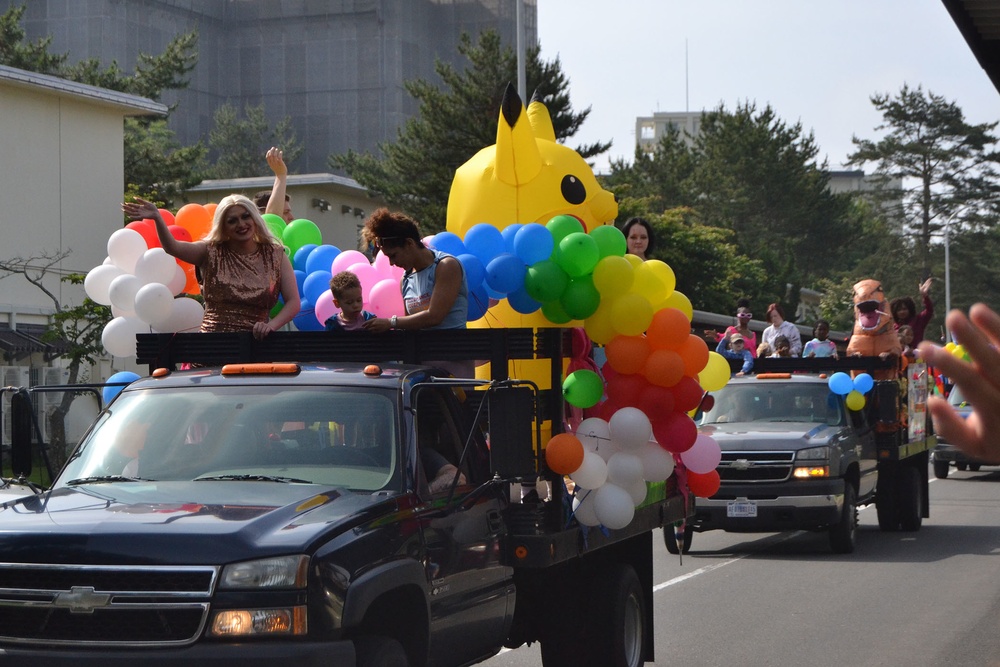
[740, 464]
[81, 600]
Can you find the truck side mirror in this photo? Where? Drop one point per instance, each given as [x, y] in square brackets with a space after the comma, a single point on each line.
[512, 414]
[21, 415]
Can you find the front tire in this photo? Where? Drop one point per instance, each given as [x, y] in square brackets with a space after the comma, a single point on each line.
[376, 651]
[618, 623]
[843, 535]
[941, 469]
[974, 467]
[911, 500]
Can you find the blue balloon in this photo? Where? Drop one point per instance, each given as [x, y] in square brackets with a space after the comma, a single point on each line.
[484, 241]
[448, 242]
[315, 284]
[864, 383]
[302, 256]
[306, 319]
[505, 274]
[522, 302]
[508, 233]
[475, 271]
[321, 258]
[479, 302]
[109, 393]
[300, 279]
[533, 243]
[841, 383]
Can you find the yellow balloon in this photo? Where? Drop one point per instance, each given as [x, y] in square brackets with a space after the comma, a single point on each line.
[631, 314]
[648, 284]
[663, 271]
[679, 301]
[716, 373]
[613, 276]
[600, 326]
[855, 400]
[634, 261]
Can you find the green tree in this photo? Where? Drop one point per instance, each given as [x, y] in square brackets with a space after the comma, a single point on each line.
[14, 52]
[240, 143]
[946, 165]
[454, 122]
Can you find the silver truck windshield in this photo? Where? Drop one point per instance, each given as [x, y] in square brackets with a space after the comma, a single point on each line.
[771, 401]
[332, 436]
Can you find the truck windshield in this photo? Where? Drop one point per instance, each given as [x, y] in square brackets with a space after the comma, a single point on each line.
[768, 401]
[326, 435]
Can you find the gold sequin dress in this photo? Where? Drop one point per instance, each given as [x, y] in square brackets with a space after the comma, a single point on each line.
[239, 289]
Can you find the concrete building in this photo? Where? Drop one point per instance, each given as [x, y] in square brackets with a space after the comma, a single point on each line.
[336, 68]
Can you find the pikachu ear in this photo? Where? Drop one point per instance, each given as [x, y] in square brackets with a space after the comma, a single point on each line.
[540, 120]
[517, 157]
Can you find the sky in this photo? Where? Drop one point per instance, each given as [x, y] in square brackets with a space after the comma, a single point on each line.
[817, 62]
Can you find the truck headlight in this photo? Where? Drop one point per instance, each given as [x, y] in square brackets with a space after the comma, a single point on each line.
[813, 454]
[230, 623]
[278, 572]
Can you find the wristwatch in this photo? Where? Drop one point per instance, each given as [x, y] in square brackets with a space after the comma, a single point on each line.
[392, 322]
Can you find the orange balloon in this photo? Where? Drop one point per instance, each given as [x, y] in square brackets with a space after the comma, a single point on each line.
[191, 286]
[704, 485]
[627, 354]
[694, 353]
[664, 368]
[210, 207]
[196, 219]
[564, 453]
[669, 329]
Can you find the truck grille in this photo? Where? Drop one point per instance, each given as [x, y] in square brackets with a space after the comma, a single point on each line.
[88, 605]
[743, 467]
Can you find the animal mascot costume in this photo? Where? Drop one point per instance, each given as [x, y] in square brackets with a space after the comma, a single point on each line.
[874, 334]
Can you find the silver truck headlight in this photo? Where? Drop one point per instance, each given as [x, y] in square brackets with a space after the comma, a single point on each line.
[278, 572]
[813, 454]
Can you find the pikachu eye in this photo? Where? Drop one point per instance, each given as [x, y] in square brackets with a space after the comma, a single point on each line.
[573, 190]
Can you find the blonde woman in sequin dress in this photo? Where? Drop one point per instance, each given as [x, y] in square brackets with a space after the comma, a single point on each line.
[243, 267]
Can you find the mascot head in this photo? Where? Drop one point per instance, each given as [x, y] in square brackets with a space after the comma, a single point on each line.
[526, 177]
[871, 308]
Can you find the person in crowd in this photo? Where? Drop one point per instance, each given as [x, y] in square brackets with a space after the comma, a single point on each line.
[782, 347]
[742, 326]
[764, 350]
[346, 289]
[905, 333]
[779, 326]
[243, 267]
[276, 200]
[979, 380]
[820, 346]
[639, 238]
[737, 349]
[904, 311]
[435, 294]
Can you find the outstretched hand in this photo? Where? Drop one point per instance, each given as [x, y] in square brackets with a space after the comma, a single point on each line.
[925, 287]
[979, 380]
[140, 209]
[276, 161]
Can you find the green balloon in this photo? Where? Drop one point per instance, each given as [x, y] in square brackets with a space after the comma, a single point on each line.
[562, 226]
[301, 232]
[544, 281]
[276, 224]
[578, 254]
[580, 299]
[555, 313]
[610, 241]
[583, 388]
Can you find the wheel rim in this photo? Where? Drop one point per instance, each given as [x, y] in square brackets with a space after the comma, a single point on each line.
[632, 629]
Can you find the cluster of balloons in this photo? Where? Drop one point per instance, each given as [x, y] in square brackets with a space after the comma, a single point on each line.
[853, 390]
[140, 281]
[957, 350]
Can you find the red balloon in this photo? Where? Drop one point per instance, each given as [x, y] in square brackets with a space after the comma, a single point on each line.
[707, 403]
[704, 485]
[687, 394]
[626, 390]
[167, 216]
[607, 410]
[656, 401]
[675, 432]
[147, 230]
[179, 233]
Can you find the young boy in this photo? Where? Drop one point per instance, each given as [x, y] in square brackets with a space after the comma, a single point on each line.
[737, 350]
[782, 347]
[346, 290]
[820, 345]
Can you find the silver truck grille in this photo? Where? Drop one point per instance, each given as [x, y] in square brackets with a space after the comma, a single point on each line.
[744, 467]
[88, 605]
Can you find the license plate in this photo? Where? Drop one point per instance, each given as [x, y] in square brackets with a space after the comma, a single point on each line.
[741, 509]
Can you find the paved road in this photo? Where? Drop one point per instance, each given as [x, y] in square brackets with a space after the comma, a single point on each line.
[922, 599]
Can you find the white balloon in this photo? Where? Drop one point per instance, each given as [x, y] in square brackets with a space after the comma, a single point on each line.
[637, 490]
[122, 291]
[630, 428]
[107, 260]
[592, 473]
[125, 247]
[187, 315]
[155, 266]
[583, 508]
[118, 336]
[177, 283]
[613, 506]
[154, 303]
[98, 282]
[118, 312]
[624, 468]
[593, 432]
[657, 463]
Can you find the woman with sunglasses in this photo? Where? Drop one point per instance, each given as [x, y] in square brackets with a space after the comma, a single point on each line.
[243, 268]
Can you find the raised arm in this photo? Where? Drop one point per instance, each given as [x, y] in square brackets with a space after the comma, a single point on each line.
[187, 251]
[276, 202]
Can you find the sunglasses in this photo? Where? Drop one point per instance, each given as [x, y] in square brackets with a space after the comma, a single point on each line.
[744, 316]
[393, 241]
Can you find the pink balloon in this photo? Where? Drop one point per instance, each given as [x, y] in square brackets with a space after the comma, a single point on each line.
[385, 299]
[368, 275]
[704, 455]
[387, 270]
[325, 309]
[345, 259]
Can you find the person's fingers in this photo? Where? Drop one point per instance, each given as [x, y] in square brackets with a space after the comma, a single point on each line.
[987, 320]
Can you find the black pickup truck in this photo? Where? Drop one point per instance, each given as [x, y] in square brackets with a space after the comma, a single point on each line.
[306, 500]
